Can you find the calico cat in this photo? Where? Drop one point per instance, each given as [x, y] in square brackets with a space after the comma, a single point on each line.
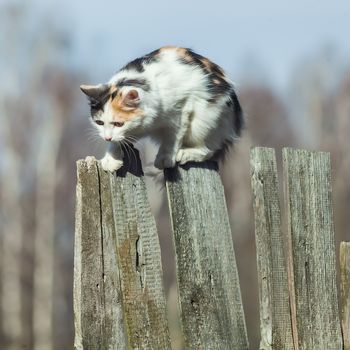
[180, 99]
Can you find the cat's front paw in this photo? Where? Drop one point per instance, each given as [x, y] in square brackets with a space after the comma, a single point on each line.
[111, 164]
[164, 161]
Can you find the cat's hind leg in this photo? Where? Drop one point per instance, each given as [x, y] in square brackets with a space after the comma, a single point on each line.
[210, 127]
[172, 139]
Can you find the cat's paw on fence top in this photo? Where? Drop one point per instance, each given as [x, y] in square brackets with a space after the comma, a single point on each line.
[111, 164]
[193, 155]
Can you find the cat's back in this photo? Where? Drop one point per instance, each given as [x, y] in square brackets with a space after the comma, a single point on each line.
[178, 64]
[167, 57]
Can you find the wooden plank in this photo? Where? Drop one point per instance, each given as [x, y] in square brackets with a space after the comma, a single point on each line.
[307, 181]
[275, 319]
[97, 303]
[113, 323]
[118, 292]
[344, 256]
[139, 260]
[209, 294]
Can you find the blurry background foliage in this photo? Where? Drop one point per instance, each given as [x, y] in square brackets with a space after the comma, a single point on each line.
[292, 70]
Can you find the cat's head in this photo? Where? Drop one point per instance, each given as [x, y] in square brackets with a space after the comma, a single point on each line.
[116, 112]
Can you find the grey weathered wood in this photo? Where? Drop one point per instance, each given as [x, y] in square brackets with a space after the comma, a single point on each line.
[209, 293]
[307, 183]
[344, 257]
[275, 319]
[97, 295]
[139, 262]
[118, 292]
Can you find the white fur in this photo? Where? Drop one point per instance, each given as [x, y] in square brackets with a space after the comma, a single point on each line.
[177, 115]
[112, 160]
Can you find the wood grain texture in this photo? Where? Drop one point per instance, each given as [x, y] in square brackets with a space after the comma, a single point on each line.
[139, 263]
[275, 319]
[97, 295]
[118, 292]
[307, 181]
[209, 293]
[344, 257]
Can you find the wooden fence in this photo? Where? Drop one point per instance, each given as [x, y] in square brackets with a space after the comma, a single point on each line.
[119, 298]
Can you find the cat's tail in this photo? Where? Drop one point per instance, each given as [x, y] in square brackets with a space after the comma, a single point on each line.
[238, 116]
[238, 124]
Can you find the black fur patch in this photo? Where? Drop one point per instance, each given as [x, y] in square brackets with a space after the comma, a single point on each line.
[196, 59]
[140, 83]
[238, 125]
[238, 121]
[215, 69]
[96, 104]
[138, 63]
[217, 85]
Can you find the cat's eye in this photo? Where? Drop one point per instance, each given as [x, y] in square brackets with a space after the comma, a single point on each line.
[118, 124]
[99, 122]
[114, 94]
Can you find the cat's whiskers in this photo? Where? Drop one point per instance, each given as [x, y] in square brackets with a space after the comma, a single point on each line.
[92, 136]
[132, 151]
[131, 139]
[125, 150]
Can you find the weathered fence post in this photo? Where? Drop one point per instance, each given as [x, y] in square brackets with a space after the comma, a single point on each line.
[344, 257]
[118, 292]
[275, 320]
[307, 183]
[89, 301]
[210, 300]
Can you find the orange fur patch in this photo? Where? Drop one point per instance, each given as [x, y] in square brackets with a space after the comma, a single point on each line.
[188, 58]
[207, 64]
[212, 68]
[168, 47]
[112, 89]
[186, 55]
[181, 51]
[121, 112]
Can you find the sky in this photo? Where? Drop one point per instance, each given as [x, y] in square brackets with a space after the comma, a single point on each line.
[254, 40]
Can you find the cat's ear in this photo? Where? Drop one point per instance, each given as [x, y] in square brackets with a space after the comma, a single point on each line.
[131, 99]
[95, 92]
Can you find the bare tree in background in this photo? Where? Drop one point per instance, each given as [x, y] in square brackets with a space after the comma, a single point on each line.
[11, 185]
[32, 111]
[45, 228]
[12, 240]
[322, 89]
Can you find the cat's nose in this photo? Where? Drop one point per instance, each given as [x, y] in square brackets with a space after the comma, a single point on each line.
[108, 138]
